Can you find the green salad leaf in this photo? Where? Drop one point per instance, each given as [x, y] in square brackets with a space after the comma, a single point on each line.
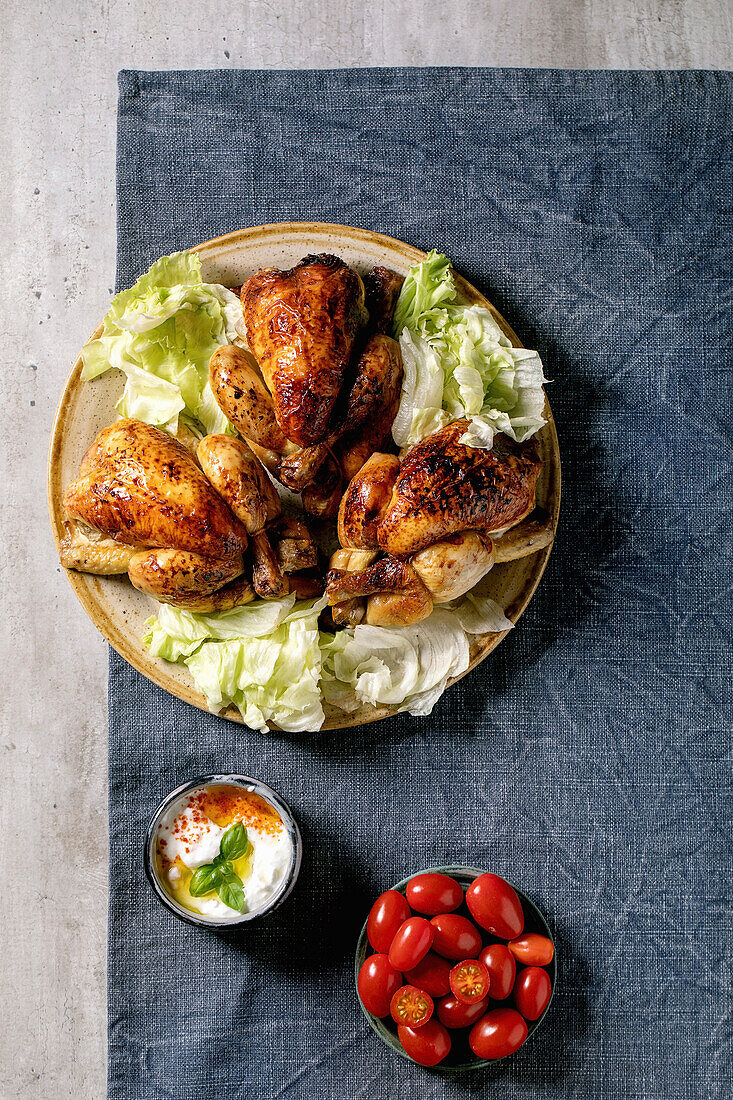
[459, 363]
[161, 334]
[410, 666]
[264, 658]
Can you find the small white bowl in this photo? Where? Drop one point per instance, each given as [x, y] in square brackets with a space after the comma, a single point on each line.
[248, 784]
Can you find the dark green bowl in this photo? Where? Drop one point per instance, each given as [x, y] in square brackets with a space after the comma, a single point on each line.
[460, 1058]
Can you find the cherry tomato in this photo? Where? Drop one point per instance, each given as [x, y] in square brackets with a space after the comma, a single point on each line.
[499, 961]
[426, 1045]
[432, 975]
[532, 991]
[495, 905]
[532, 949]
[455, 937]
[378, 982]
[411, 1006]
[389, 911]
[498, 1033]
[412, 942]
[434, 893]
[453, 1013]
[469, 981]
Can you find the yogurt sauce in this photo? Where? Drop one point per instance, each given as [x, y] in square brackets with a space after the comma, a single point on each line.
[189, 835]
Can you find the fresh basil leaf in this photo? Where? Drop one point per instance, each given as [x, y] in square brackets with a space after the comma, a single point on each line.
[235, 842]
[204, 880]
[223, 865]
[231, 893]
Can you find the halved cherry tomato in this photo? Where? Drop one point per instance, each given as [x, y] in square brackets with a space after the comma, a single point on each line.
[389, 911]
[499, 961]
[532, 991]
[378, 982]
[412, 942]
[455, 937]
[432, 974]
[498, 1033]
[532, 949]
[434, 893]
[426, 1045]
[453, 1013]
[411, 1006]
[495, 905]
[469, 981]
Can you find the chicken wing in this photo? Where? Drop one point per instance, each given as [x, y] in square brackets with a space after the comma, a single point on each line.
[382, 288]
[301, 326]
[397, 594]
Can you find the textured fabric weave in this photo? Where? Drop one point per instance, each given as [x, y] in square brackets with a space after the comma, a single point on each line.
[588, 758]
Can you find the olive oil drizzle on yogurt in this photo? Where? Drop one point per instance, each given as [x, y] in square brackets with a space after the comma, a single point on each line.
[190, 838]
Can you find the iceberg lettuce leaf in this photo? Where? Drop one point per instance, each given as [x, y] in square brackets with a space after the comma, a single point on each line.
[407, 667]
[459, 363]
[166, 327]
[265, 658]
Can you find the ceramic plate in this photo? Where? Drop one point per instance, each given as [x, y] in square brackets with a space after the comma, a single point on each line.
[114, 606]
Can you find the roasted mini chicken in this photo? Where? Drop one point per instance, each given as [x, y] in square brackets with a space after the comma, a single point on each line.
[185, 529]
[301, 327]
[319, 393]
[442, 512]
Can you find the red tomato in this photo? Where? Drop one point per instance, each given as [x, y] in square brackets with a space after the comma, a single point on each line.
[532, 991]
[455, 937]
[469, 981]
[411, 1006]
[452, 1013]
[495, 905]
[532, 949]
[499, 961]
[389, 911]
[432, 975]
[378, 981]
[498, 1033]
[434, 893]
[411, 944]
[426, 1045]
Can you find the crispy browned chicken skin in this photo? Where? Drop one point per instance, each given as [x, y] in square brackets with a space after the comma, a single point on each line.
[301, 326]
[445, 486]
[363, 426]
[141, 487]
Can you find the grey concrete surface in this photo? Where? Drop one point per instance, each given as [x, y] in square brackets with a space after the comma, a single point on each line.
[57, 220]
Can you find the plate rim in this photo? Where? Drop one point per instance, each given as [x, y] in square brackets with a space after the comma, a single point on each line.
[87, 586]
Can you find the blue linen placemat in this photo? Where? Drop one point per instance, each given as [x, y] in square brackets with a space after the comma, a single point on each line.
[588, 758]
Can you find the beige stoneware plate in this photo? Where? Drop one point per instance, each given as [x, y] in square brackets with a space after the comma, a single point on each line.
[114, 606]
